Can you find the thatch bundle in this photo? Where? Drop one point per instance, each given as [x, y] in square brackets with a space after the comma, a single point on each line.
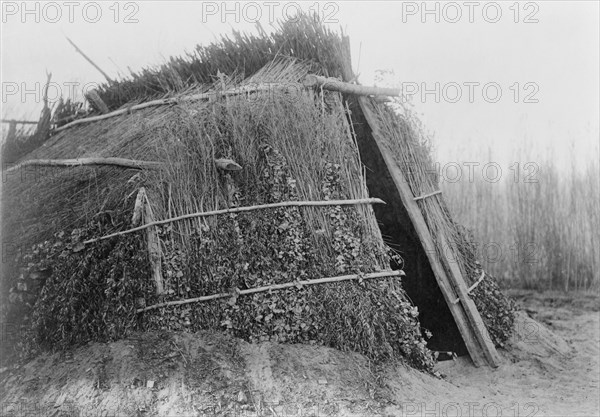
[293, 144]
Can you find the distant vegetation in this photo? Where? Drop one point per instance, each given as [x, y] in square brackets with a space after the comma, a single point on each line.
[17, 141]
[538, 226]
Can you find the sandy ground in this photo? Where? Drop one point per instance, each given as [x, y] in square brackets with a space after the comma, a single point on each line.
[551, 368]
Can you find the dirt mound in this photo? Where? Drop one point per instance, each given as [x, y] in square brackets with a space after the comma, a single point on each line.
[190, 374]
[543, 373]
[532, 339]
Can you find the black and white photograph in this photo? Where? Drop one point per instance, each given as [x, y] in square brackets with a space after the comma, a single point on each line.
[300, 208]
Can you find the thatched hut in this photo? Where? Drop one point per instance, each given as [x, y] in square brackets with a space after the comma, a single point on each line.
[218, 193]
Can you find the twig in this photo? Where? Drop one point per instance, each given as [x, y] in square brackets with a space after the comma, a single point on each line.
[275, 287]
[472, 287]
[90, 60]
[243, 209]
[428, 195]
[45, 98]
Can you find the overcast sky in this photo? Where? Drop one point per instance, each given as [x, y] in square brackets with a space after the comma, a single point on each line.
[504, 72]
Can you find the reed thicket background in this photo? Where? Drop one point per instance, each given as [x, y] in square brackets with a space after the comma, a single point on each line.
[538, 226]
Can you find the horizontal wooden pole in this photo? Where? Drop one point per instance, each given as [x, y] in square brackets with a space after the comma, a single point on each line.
[334, 84]
[243, 209]
[275, 287]
[20, 122]
[122, 162]
[245, 89]
[115, 113]
[221, 163]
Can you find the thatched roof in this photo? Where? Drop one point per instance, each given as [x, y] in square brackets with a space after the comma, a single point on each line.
[243, 60]
[77, 194]
[305, 39]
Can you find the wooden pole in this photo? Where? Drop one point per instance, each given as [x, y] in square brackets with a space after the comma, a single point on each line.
[274, 287]
[471, 311]
[88, 59]
[94, 98]
[243, 209]
[247, 89]
[20, 122]
[138, 208]
[160, 102]
[334, 84]
[152, 241]
[310, 81]
[222, 164]
[122, 162]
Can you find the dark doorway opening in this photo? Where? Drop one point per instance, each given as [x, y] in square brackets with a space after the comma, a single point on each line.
[399, 233]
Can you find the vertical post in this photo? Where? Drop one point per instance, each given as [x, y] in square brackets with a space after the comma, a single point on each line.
[142, 211]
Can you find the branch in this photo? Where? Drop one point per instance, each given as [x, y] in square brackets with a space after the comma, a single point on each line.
[384, 274]
[110, 81]
[122, 162]
[21, 122]
[45, 98]
[247, 89]
[224, 164]
[243, 209]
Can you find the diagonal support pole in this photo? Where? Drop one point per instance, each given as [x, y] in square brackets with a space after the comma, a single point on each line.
[451, 283]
